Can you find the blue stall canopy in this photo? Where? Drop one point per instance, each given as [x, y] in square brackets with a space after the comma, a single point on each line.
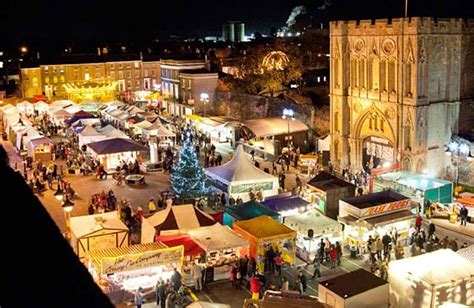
[245, 211]
[116, 145]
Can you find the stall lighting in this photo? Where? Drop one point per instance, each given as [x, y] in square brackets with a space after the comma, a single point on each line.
[386, 164]
[58, 194]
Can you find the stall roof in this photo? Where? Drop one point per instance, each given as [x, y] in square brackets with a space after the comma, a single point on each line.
[353, 283]
[40, 140]
[467, 253]
[88, 224]
[61, 112]
[116, 145]
[191, 248]
[89, 131]
[217, 237]
[115, 252]
[435, 268]
[263, 227]
[326, 181]
[313, 219]
[249, 210]
[374, 199]
[179, 217]
[239, 168]
[415, 180]
[285, 203]
[267, 127]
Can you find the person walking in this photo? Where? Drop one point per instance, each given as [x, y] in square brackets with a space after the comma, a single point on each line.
[339, 253]
[278, 260]
[379, 247]
[317, 268]
[151, 205]
[333, 256]
[399, 252]
[176, 279]
[139, 298]
[418, 222]
[285, 284]
[431, 229]
[463, 213]
[386, 240]
[302, 283]
[196, 273]
[255, 287]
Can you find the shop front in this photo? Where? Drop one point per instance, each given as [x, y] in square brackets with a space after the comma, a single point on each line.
[374, 215]
[121, 271]
[318, 226]
[262, 233]
[41, 148]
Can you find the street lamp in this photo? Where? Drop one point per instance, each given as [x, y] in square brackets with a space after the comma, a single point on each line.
[67, 206]
[289, 115]
[457, 149]
[204, 97]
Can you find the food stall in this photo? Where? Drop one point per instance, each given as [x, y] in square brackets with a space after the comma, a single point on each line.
[191, 248]
[306, 162]
[418, 187]
[430, 279]
[325, 191]
[40, 148]
[96, 232]
[375, 214]
[245, 211]
[121, 271]
[322, 226]
[287, 205]
[111, 152]
[263, 232]
[176, 219]
[222, 247]
[239, 176]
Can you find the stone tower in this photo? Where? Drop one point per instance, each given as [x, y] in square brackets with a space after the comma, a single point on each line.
[395, 90]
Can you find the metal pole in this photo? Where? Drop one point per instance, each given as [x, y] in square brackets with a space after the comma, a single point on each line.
[406, 8]
[288, 144]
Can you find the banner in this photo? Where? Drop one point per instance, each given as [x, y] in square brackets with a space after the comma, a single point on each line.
[166, 256]
[385, 208]
[245, 188]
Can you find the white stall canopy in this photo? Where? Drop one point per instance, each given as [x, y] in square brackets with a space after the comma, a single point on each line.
[430, 279]
[217, 237]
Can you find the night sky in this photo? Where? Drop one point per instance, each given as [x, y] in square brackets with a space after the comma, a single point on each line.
[53, 21]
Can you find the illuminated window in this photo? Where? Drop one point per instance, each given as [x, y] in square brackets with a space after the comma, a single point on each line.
[137, 84]
[120, 65]
[137, 73]
[121, 74]
[62, 79]
[145, 73]
[129, 74]
[137, 64]
[112, 75]
[35, 81]
[46, 80]
[129, 84]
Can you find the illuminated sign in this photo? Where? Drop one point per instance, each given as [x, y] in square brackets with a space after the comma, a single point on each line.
[389, 207]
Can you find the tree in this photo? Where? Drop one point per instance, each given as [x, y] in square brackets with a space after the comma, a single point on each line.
[188, 179]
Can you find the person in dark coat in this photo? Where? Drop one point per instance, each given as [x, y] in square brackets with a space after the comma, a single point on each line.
[176, 280]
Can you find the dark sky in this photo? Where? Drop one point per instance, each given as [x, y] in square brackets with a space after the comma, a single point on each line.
[51, 21]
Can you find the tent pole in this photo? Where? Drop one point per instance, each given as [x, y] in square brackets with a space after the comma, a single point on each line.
[433, 296]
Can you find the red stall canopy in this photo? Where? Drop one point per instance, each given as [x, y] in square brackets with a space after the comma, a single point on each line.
[190, 247]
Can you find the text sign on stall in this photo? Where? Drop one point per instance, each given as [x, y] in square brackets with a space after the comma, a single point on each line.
[385, 208]
[164, 256]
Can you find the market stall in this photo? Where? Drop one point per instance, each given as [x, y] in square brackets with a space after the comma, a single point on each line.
[191, 248]
[375, 214]
[222, 246]
[467, 253]
[60, 116]
[177, 219]
[25, 107]
[322, 227]
[41, 107]
[121, 271]
[287, 205]
[239, 176]
[262, 233]
[325, 191]
[358, 288]
[430, 279]
[307, 162]
[247, 210]
[112, 152]
[416, 186]
[96, 232]
[41, 148]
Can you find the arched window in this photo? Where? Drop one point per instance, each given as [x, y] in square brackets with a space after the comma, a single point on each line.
[354, 80]
[408, 74]
[391, 76]
[362, 69]
[373, 74]
[336, 121]
[383, 75]
[336, 72]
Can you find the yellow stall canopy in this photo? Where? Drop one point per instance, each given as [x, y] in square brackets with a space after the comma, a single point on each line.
[120, 259]
[264, 228]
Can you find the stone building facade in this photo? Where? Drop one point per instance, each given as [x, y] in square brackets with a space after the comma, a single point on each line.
[396, 88]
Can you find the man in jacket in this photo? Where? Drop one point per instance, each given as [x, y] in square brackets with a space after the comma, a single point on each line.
[463, 213]
[196, 273]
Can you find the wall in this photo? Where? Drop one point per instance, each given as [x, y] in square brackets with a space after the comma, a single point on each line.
[324, 294]
[375, 298]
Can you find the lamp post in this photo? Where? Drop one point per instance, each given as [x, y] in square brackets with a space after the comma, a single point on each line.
[204, 97]
[289, 115]
[67, 206]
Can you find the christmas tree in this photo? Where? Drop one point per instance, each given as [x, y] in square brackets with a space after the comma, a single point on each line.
[187, 178]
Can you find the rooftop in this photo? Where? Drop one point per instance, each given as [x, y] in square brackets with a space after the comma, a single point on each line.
[326, 181]
[374, 199]
[353, 283]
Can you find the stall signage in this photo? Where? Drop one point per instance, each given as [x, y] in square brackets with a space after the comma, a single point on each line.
[385, 208]
[143, 260]
[245, 188]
